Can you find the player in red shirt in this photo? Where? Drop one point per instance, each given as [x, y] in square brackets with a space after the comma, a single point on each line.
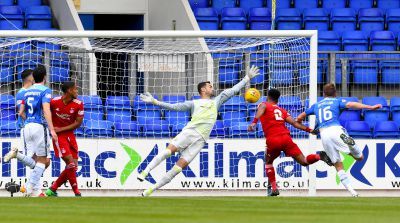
[278, 137]
[67, 113]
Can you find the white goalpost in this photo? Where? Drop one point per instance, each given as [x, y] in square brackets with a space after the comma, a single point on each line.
[121, 134]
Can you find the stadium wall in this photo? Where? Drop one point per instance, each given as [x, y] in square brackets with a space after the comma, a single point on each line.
[232, 167]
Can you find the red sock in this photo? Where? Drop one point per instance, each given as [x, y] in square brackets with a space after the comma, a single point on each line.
[71, 175]
[312, 158]
[60, 180]
[269, 168]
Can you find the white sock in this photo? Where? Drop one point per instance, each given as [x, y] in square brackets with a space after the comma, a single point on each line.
[346, 181]
[28, 161]
[34, 179]
[168, 177]
[355, 151]
[157, 160]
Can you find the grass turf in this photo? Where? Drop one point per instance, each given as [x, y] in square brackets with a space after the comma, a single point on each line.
[200, 209]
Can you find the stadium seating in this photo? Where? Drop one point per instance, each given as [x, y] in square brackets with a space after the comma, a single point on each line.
[6, 70]
[194, 4]
[233, 19]
[382, 41]
[361, 4]
[207, 18]
[218, 129]
[24, 4]
[12, 18]
[127, 129]
[355, 41]
[390, 72]
[219, 5]
[358, 129]
[332, 4]
[288, 19]
[9, 128]
[279, 4]
[38, 17]
[304, 4]
[43, 46]
[231, 117]
[249, 4]
[329, 41]
[315, 19]
[7, 107]
[393, 19]
[6, 2]
[159, 128]
[364, 71]
[281, 73]
[98, 128]
[259, 19]
[386, 129]
[93, 107]
[239, 130]
[118, 109]
[343, 19]
[395, 109]
[174, 117]
[236, 103]
[372, 117]
[371, 19]
[59, 70]
[291, 103]
[388, 4]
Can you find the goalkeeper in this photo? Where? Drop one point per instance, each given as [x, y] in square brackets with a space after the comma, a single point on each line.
[193, 137]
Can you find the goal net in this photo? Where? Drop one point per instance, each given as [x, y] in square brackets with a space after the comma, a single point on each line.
[121, 134]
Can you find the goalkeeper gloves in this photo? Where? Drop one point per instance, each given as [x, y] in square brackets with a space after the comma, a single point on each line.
[148, 98]
[253, 72]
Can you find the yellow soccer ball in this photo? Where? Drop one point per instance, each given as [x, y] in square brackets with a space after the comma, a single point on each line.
[252, 95]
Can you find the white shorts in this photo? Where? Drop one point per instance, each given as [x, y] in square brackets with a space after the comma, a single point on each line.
[333, 144]
[36, 140]
[189, 143]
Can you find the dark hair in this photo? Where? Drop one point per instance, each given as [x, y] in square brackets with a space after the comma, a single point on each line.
[39, 73]
[26, 73]
[201, 85]
[66, 86]
[329, 90]
[274, 94]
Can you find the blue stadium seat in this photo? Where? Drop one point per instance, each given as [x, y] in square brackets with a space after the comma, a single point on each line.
[386, 129]
[333, 4]
[233, 19]
[361, 4]
[6, 70]
[291, 103]
[343, 19]
[7, 107]
[220, 4]
[372, 117]
[371, 20]
[364, 71]
[229, 67]
[194, 4]
[43, 46]
[236, 103]
[329, 41]
[279, 4]
[388, 4]
[158, 129]
[139, 105]
[12, 18]
[93, 107]
[358, 129]
[28, 3]
[173, 117]
[281, 73]
[382, 41]
[233, 116]
[395, 109]
[27, 60]
[393, 20]
[6, 2]
[177, 128]
[239, 130]
[98, 128]
[38, 17]
[9, 128]
[349, 115]
[260, 19]
[59, 69]
[390, 72]
[146, 116]
[249, 4]
[118, 109]
[207, 18]
[349, 99]
[127, 129]
[288, 19]
[260, 79]
[355, 41]
[305, 4]
[218, 129]
[315, 19]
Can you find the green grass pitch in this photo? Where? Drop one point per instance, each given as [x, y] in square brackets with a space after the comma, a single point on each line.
[200, 209]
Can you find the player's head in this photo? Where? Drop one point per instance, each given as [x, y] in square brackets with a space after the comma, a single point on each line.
[205, 88]
[39, 74]
[329, 90]
[273, 95]
[69, 88]
[27, 78]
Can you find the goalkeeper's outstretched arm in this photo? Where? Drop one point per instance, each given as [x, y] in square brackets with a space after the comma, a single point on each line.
[185, 106]
[228, 93]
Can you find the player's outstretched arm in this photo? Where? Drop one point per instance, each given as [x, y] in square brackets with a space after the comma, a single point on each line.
[260, 112]
[185, 106]
[300, 118]
[297, 125]
[228, 93]
[356, 105]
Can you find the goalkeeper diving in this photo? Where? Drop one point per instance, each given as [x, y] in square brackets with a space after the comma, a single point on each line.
[194, 135]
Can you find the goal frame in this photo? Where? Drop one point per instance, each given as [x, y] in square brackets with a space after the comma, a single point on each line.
[311, 34]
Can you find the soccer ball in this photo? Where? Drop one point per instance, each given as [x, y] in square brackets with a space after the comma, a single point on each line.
[252, 95]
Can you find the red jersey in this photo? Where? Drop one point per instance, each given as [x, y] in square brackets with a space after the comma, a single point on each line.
[65, 114]
[273, 120]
